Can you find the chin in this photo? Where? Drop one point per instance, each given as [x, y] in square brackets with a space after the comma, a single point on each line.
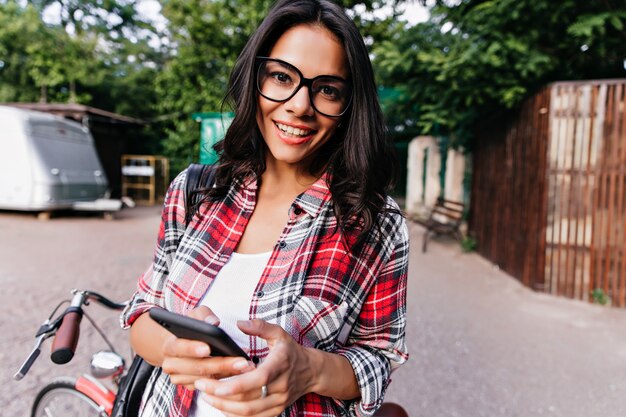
[287, 158]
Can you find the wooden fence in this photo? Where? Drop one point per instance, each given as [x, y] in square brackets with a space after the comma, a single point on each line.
[549, 190]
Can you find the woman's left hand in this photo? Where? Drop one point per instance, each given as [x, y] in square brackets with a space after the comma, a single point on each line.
[286, 373]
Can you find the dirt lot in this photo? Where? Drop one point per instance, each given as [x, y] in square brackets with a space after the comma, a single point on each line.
[480, 343]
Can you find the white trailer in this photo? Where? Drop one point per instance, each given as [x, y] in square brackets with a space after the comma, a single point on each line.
[49, 163]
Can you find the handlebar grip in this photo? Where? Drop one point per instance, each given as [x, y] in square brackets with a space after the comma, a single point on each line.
[65, 341]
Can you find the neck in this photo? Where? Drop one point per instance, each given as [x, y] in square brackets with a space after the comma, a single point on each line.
[285, 179]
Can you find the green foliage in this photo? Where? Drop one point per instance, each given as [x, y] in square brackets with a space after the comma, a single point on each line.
[207, 37]
[20, 29]
[108, 19]
[468, 244]
[84, 58]
[478, 58]
[598, 296]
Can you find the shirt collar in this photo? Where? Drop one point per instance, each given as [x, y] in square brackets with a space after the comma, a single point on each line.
[315, 197]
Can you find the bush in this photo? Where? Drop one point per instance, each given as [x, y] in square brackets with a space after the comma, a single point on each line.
[600, 297]
[468, 244]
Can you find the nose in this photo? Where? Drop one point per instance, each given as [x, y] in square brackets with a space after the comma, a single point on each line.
[300, 103]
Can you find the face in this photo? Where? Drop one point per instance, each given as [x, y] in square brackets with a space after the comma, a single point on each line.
[293, 130]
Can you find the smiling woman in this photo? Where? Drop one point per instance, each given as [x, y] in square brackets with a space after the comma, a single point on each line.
[292, 125]
[298, 225]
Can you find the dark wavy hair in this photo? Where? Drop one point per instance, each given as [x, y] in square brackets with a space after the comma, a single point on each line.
[359, 158]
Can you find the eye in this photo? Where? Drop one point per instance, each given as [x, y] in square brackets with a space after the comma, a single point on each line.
[330, 92]
[280, 77]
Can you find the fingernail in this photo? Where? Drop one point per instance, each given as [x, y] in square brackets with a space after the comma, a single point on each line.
[212, 320]
[240, 365]
[200, 385]
[203, 350]
[246, 324]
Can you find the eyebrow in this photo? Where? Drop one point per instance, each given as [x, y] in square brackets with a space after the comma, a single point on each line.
[346, 79]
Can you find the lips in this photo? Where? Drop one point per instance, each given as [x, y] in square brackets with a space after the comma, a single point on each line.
[294, 135]
[293, 131]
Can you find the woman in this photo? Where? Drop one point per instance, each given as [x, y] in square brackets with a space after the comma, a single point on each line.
[296, 251]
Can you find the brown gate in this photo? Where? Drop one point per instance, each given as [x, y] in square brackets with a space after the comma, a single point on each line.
[549, 190]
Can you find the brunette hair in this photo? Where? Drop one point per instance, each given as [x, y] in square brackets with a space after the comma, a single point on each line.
[359, 157]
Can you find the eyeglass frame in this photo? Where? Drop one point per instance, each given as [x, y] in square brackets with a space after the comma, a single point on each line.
[307, 82]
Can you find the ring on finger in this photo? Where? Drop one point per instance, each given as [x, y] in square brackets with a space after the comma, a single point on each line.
[264, 391]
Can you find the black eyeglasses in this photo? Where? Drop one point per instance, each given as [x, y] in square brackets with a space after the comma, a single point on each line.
[279, 81]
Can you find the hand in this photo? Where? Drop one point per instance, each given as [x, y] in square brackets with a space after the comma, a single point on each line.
[286, 372]
[187, 360]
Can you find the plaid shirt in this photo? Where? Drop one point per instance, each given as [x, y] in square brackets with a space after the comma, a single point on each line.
[312, 286]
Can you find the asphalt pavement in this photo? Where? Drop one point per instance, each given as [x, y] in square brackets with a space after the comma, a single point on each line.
[480, 343]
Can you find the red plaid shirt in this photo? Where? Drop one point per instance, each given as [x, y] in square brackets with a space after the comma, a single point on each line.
[312, 286]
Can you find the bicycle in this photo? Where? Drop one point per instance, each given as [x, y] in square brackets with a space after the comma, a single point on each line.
[85, 396]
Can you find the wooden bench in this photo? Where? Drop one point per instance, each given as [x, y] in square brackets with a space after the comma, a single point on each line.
[445, 219]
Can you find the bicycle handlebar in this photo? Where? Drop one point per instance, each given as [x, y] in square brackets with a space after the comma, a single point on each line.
[65, 329]
[105, 301]
[66, 339]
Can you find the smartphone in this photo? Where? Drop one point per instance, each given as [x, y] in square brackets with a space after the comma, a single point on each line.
[189, 328]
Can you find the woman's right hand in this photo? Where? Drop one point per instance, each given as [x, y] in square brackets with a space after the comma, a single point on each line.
[186, 361]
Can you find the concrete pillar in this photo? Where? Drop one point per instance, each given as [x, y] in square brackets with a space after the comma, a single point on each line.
[422, 197]
[455, 171]
[414, 181]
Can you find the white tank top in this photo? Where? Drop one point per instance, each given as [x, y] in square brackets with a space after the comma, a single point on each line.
[229, 297]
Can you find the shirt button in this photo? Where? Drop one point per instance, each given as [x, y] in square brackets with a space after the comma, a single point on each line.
[260, 294]
[282, 244]
[297, 211]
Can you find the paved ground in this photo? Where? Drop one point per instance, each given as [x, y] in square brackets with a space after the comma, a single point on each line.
[481, 344]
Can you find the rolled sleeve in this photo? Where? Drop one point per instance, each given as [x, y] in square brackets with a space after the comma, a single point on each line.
[151, 284]
[377, 344]
[372, 372]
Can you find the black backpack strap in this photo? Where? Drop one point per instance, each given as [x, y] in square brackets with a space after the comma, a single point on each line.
[199, 177]
[131, 388]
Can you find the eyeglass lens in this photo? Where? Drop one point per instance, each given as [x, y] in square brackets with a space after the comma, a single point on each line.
[279, 81]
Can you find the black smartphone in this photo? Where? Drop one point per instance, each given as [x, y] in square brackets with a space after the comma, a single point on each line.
[189, 328]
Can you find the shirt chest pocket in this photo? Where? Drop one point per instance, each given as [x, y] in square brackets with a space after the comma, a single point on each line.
[318, 323]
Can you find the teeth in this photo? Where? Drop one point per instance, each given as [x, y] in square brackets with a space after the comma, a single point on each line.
[294, 131]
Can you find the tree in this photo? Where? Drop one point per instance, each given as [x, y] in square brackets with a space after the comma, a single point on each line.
[110, 19]
[22, 29]
[206, 37]
[94, 52]
[479, 57]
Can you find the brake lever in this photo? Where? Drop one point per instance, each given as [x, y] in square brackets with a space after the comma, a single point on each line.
[47, 326]
[31, 358]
